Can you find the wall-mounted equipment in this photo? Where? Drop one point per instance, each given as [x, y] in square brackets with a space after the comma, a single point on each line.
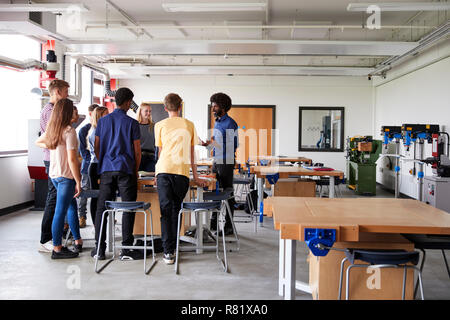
[390, 133]
[362, 154]
[412, 132]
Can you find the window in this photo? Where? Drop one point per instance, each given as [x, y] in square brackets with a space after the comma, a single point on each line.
[17, 103]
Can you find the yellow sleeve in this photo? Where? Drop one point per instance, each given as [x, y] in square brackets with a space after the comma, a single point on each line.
[194, 137]
[158, 142]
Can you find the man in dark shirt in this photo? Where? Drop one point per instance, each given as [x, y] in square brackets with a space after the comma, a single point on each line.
[118, 150]
[86, 156]
[226, 142]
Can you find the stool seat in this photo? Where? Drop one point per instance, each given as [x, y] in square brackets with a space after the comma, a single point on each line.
[393, 257]
[380, 259]
[202, 205]
[223, 195]
[127, 205]
[325, 181]
[89, 193]
[239, 180]
[429, 241]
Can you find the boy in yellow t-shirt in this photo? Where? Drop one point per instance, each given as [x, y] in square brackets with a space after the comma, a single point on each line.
[176, 138]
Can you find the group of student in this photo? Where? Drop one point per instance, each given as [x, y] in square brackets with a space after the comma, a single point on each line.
[114, 147]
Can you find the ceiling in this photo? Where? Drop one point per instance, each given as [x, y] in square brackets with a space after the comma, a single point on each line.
[110, 33]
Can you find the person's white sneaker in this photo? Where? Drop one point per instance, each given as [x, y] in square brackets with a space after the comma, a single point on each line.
[46, 247]
[169, 258]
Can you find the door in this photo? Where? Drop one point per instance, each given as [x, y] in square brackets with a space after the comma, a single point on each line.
[255, 125]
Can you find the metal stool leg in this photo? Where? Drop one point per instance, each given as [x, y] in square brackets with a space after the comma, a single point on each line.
[340, 278]
[421, 268]
[228, 212]
[347, 282]
[223, 261]
[111, 213]
[404, 282]
[177, 254]
[446, 263]
[420, 282]
[145, 242]
[67, 237]
[153, 243]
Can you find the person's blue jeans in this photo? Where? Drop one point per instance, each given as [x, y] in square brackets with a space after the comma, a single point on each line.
[65, 204]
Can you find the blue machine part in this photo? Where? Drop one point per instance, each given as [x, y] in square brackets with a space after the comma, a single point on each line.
[386, 138]
[397, 168]
[423, 135]
[419, 135]
[273, 178]
[325, 237]
[407, 141]
[420, 174]
[261, 212]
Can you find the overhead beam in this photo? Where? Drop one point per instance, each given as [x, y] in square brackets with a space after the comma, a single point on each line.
[246, 70]
[242, 47]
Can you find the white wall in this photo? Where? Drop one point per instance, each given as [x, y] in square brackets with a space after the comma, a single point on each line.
[287, 93]
[416, 92]
[15, 186]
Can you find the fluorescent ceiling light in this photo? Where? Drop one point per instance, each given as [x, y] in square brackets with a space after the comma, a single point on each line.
[401, 6]
[214, 7]
[43, 7]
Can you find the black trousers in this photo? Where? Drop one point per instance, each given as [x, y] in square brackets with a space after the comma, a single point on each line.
[49, 210]
[148, 162]
[110, 182]
[172, 189]
[224, 174]
[93, 178]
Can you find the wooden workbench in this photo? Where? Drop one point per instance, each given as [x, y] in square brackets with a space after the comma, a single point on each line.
[285, 172]
[275, 159]
[359, 223]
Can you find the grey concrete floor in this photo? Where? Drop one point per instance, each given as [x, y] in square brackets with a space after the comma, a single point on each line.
[28, 274]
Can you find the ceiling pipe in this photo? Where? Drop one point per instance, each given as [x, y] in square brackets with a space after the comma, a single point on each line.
[42, 66]
[22, 65]
[30, 65]
[428, 40]
[147, 26]
[105, 73]
[76, 98]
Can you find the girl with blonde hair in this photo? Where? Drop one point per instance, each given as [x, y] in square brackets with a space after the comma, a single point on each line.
[146, 126]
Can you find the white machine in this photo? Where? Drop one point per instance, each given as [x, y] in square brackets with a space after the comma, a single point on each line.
[436, 192]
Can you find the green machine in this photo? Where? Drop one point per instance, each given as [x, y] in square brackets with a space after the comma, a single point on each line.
[362, 152]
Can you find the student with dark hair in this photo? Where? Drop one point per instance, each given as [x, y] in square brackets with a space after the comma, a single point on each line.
[61, 139]
[58, 89]
[118, 150]
[86, 156]
[226, 142]
[176, 138]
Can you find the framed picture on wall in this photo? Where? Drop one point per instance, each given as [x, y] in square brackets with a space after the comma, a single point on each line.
[321, 129]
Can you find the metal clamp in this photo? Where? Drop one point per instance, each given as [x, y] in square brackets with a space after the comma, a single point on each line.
[320, 241]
